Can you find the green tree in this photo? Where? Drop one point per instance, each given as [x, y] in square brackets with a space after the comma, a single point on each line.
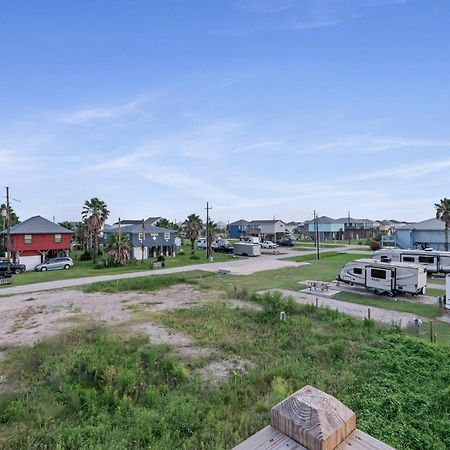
[213, 233]
[14, 219]
[119, 248]
[193, 226]
[95, 212]
[67, 224]
[443, 213]
[164, 223]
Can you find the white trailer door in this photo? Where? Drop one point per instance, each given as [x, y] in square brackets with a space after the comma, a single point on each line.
[380, 278]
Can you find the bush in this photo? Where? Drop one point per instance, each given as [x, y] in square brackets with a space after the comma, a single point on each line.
[161, 258]
[86, 256]
[103, 262]
[195, 257]
[375, 245]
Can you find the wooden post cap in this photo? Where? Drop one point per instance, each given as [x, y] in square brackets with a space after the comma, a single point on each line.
[314, 419]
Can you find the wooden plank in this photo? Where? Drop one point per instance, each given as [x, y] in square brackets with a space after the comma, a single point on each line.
[314, 419]
[269, 438]
[359, 440]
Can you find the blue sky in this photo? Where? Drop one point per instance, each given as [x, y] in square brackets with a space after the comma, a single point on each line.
[263, 108]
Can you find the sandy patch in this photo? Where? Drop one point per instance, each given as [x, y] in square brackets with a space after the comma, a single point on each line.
[26, 319]
[217, 372]
[236, 303]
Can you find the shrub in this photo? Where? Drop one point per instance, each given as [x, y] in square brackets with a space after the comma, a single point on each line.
[161, 258]
[85, 256]
[194, 257]
[375, 245]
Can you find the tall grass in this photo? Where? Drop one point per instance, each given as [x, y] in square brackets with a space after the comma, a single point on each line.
[93, 389]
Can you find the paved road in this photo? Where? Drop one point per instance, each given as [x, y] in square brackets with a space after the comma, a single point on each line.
[238, 266]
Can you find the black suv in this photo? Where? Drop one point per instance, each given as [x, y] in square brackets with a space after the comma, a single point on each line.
[14, 268]
[285, 242]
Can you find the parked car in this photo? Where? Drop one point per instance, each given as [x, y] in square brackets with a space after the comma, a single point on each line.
[285, 242]
[55, 264]
[222, 246]
[268, 244]
[14, 268]
[201, 243]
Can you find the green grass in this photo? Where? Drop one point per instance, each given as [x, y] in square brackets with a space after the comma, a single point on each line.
[91, 389]
[148, 284]
[394, 305]
[435, 292]
[437, 280]
[83, 269]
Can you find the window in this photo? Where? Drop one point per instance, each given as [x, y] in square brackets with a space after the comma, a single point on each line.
[28, 238]
[166, 236]
[378, 273]
[408, 258]
[357, 271]
[426, 259]
[58, 238]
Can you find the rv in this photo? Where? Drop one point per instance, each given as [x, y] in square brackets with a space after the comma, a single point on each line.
[385, 277]
[435, 261]
[246, 248]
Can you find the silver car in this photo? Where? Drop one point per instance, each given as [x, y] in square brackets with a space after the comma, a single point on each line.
[55, 264]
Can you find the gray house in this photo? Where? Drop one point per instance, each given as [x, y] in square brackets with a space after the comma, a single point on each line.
[429, 233]
[156, 241]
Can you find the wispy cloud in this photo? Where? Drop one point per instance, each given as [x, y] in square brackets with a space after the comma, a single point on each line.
[105, 112]
[407, 171]
[365, 144]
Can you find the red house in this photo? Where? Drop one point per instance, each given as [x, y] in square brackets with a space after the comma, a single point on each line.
[36, 239]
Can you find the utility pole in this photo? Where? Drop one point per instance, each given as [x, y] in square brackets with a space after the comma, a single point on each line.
[349, 238]
[142, 241]
[8, 231]
[316, 232]
[120, 240]
[208, 248]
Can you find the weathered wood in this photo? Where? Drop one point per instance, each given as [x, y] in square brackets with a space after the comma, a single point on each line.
[314, 419]
[269, 438]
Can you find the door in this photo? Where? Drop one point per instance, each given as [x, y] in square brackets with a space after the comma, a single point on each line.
[380, 278]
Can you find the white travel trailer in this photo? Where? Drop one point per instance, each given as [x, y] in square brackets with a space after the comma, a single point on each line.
[385, 277]
[435, 261]
[447, 291]
[246, 249]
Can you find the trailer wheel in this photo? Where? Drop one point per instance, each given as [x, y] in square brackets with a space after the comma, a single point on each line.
[377, 292]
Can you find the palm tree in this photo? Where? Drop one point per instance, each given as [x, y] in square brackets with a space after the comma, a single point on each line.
[163, 223]
[193, 226]
[213, 232]
[119, 248]
[95, 212]
[443, 213]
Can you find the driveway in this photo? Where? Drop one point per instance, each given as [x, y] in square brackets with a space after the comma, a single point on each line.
[238, 266]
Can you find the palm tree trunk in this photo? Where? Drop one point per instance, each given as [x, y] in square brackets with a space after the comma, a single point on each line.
[192, 246]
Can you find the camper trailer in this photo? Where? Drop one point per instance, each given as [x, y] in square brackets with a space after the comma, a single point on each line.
[246, 249]
[385, 277]
[435, 261]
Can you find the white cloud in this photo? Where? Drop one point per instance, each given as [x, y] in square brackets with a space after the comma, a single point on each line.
[407, 171]
[105, 112]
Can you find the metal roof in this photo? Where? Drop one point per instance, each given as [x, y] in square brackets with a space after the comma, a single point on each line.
[135, 229]
[426, 225]
[38, 225]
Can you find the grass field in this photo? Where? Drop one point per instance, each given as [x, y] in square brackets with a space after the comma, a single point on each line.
[95, 389]
[83, 269]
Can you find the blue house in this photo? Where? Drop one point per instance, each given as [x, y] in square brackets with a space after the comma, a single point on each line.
[242, 228]
[329, 229]
[156, 240]
[429, 233]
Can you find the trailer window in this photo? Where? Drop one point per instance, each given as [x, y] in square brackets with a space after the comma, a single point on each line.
[408, 258]
[426, 259]
[357, 270]
[378, 273]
